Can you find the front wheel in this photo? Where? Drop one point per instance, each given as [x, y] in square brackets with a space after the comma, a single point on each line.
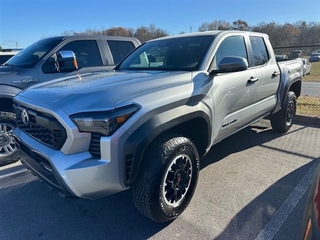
[283, 119]
[167, 178]
[8, 149]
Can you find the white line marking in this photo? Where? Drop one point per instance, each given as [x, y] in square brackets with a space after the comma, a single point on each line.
[273, 226]
[13, 173]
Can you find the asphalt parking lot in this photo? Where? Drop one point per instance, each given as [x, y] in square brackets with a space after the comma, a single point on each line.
[252, 185]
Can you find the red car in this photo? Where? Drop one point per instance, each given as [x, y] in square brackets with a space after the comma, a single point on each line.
[311, 218]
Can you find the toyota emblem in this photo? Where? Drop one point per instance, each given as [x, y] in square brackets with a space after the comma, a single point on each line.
[25, 116]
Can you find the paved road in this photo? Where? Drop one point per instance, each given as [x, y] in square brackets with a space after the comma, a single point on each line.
[252, 185]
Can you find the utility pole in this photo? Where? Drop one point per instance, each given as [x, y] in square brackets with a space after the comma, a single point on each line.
[190, 28]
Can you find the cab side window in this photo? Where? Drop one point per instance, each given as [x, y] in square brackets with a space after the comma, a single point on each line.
[120, 49]
[231, 46]
[260, 53]
[86, 51]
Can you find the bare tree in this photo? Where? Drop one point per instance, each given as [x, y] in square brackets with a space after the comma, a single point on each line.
[116, 31]
[240, 25]
[68, 33]
[214, 25]
[272, 29]
[299, 33]
[144, 33]
[314, 33]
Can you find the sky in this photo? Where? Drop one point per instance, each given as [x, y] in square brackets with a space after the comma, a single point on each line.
[23, 22]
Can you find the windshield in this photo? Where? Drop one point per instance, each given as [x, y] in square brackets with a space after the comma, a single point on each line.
[29, 56]
[175, 54]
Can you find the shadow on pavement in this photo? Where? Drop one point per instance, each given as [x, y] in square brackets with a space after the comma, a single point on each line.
[30, 211]
[252, 136]
[284, 200]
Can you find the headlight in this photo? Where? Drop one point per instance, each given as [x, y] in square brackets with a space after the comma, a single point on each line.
[106, 122]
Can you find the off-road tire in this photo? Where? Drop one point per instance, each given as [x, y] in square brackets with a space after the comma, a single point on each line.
[167, 178]
[283, 119]
[8, 148]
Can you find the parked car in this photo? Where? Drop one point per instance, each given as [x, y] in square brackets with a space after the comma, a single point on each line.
[306, 66]
[295, 54]
[315, 57]
[315, 51]
[281, 57]
[5, 56]
[311, 223]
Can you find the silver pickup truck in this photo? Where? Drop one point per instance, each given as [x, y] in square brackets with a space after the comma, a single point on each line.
[146, 125]
[48, 59]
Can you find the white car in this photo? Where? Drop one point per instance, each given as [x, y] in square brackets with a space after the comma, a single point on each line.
[306, 66]
[315, 51]
[5, 56]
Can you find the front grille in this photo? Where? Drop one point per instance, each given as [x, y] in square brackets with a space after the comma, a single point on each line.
[42, 127]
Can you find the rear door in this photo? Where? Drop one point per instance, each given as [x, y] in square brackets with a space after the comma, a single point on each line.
[268, 74]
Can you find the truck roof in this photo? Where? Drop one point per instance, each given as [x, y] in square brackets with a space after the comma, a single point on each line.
[210, 33]
[93, 37]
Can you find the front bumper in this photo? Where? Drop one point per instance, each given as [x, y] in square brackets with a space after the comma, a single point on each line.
[78, 174]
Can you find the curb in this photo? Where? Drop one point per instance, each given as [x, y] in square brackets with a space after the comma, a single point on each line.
[315, 121]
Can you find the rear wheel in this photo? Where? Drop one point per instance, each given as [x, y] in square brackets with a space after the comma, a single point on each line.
[167, 178]
[283, 119]
[8, 149]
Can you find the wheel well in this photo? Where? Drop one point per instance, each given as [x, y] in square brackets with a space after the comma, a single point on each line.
[197, 131]
[6, 104]
[296, 88]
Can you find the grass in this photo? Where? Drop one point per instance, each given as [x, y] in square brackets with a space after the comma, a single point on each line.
[314, 75]
[308, 106]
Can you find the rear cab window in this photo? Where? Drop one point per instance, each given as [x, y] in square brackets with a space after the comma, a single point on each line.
[259, 50]
[120, 49]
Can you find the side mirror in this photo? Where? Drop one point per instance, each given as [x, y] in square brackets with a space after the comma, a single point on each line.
[65, 61]
[231, 64]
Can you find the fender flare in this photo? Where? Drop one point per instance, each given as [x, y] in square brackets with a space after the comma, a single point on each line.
[8, 93]
[288, 79]
[140, 139]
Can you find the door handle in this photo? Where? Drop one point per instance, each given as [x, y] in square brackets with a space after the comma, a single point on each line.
[253, 80]
[275, 73]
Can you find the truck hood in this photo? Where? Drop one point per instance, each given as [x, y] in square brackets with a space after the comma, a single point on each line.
[19, 77]
[101, 90]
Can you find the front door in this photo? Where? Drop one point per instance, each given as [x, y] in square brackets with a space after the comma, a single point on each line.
[233, 93]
